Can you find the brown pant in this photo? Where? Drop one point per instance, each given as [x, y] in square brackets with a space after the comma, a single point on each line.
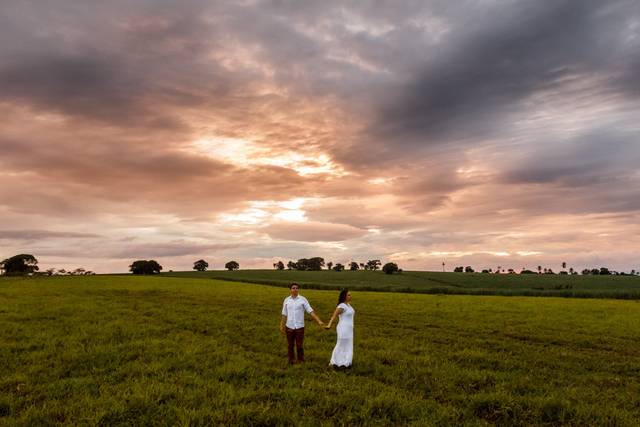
[295, 336]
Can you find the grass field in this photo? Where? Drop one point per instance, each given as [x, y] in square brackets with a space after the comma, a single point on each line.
[116, 350]
[623, 287]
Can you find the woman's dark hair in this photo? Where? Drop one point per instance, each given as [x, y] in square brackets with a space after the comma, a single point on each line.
[343, 296]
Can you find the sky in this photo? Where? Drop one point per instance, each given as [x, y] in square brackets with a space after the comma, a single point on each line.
[485, 133]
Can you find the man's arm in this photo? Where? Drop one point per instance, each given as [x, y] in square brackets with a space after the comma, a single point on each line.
[316, 318]
[312, 313]
[283, 321]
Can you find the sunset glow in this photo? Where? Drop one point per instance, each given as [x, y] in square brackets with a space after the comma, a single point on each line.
[482, 133]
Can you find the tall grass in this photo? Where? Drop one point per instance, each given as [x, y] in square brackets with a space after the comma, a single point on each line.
[115, 350]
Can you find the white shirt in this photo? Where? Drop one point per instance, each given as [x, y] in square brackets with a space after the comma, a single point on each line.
[294, 309]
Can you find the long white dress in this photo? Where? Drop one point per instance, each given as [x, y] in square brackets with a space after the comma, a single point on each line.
[343, 352]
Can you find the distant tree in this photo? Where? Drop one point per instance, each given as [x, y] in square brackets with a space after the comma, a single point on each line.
[19, 265]
[78, 272]
[301, 264]
[390, 268]
[374, 264]
[279, 265]
[595, 271]
[232, 265]
[145, 267]
[633, 272]
[89, 273]
[485, 271]
[468, 269]
[362, 266]
[571, 271]
[564, 265]
[525, 271]
[291, 266]
[539, 269]
[329, 265]
[62, 271]
[549, 271]
[564, 273]
[459, 269]
[338, 267]
[511, 271]
[499, 270]
[316, 263]
[353, 266]
[200, 265]
[586, 271]
[50, 271]
[604, 271]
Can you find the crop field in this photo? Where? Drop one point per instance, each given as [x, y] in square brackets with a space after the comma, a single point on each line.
[624, 287]
[116, 350]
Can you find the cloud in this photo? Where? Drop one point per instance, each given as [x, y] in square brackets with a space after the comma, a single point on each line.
[417, 127]
[43, 235]
[169, 249]
[601, 157]
[313, 232]
[487, 70]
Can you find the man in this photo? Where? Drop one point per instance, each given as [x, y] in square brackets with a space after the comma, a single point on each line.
[292, 321]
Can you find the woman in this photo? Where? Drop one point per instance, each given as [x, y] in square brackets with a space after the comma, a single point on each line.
[342, 355]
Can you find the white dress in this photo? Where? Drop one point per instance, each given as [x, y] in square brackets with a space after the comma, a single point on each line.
[343, 352]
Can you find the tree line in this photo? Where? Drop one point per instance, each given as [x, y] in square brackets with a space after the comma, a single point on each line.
[317, 264]
[602, 271]
[27, 264]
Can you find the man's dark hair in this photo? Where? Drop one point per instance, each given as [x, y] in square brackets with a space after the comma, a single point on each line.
[293, 284]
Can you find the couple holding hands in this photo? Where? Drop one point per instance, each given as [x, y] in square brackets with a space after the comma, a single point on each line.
[292, 325]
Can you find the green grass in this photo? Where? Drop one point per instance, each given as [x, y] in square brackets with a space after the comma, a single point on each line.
[116, 350]
[622, 287]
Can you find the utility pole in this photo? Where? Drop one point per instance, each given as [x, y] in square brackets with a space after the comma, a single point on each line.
[443, 266]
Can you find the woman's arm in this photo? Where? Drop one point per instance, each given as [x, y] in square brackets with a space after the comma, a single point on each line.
[335, 314]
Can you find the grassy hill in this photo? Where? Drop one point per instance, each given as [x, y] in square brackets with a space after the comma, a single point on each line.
[115, 350]
[625, 287]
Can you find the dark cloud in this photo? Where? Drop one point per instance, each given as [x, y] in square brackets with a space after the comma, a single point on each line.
[605, 157]
[77, 85]
[482, 73]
